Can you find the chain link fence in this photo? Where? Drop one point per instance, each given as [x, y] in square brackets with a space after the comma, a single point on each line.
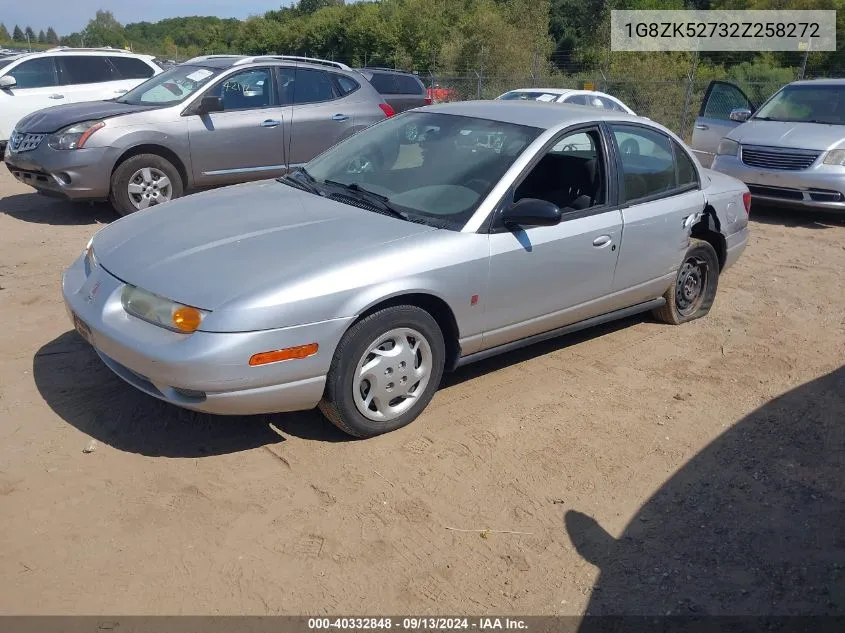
[673, 100]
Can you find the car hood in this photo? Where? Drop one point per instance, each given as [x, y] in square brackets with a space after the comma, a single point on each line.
[817, 136]
[209, 248]
[57, 117]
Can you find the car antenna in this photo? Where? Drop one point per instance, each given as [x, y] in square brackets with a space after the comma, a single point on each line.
[290, 124]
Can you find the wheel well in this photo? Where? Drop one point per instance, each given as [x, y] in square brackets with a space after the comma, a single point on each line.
[161, 151]
[438, 309]
[707, 229]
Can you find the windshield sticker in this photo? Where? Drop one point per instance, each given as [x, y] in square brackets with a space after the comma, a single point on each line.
[199, 75]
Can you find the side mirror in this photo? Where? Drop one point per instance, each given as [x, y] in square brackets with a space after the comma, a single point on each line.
[740, 114]
[210, 103]
[8, 82]
[532, 212]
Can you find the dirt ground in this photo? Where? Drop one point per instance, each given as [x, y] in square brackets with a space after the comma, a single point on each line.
[638, 460]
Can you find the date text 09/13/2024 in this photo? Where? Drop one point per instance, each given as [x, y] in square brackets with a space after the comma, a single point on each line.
[418, 623]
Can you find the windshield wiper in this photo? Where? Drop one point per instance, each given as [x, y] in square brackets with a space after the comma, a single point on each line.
[371, 197]
[304, 185]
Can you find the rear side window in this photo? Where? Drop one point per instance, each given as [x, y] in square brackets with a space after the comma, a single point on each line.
[687, 174]
[648, 166]
[304, 85]
[131, 67]
[35, 73]
[346, 84]
[409, 85]
[385, 84]
[85, 69]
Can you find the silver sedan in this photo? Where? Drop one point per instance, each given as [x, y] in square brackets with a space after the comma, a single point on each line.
[431, 240]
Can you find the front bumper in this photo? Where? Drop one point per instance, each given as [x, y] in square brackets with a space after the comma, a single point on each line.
[818, 187]
[203, 371]
[79, 174]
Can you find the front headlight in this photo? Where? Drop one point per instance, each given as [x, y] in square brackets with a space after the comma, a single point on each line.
[74, 136]
[164, 312]
[835, 157]
[727, 147]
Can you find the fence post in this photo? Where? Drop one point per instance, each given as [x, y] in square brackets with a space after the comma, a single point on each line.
[480, 75]
[688, 97]
[803, 68]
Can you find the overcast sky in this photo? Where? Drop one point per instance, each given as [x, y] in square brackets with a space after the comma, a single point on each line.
[67, 16]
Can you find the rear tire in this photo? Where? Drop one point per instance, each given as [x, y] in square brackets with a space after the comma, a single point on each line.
[143, 173]
[384, 372]
[694, 290]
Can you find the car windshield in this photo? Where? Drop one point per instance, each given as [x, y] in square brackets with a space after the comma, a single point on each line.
[528, 96]
[426, 167]
[806, 103]
[170, 87]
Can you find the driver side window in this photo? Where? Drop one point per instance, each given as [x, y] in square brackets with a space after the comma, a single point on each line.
[247, 90]
[570, 175]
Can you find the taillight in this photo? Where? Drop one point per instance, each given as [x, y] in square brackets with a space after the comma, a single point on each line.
[388, 111]
[428, 100]
[746, 201]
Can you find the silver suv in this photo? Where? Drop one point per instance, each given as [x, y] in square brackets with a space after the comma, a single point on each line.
[213, 120]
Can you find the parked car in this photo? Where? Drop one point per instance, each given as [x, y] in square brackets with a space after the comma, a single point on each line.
[32, 81]
[214, 120]
[402, 90]
[566, 95]
[355, 282]
[790, 151]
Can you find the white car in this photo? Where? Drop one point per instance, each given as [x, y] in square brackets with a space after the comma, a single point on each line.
[567, 95]
[32, 81]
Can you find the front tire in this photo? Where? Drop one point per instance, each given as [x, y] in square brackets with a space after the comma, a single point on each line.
[694, 290]
[384, 371]
[143, 181]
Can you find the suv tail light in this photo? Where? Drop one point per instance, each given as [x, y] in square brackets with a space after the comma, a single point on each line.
[746, 201]
[429, 100]
[388, 111]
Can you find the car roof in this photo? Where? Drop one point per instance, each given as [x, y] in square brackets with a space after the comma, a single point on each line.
[551, 91]
[819, 82]
[229, 61]
[534, 113]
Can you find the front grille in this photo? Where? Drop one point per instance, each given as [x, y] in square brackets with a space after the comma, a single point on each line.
[20, 142]
[776, 192]
[777, 158]
[823, 195]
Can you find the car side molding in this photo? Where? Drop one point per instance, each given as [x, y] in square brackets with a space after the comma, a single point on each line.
[566, 329]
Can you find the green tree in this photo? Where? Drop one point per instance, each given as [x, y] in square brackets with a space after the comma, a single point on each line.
[312, 6]
[52, 38]
[30, 34]
[104, 30]
[4, 33]
[42, 37]
[17, 34]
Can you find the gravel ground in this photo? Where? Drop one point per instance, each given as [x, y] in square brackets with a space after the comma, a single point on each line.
[645, 468]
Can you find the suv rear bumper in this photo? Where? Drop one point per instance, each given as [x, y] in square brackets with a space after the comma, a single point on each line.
[79, 174]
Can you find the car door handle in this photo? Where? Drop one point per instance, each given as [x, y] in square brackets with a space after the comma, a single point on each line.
[340, 117]
[701, 126]
[601, 240]
[57, 96]
[270, 123]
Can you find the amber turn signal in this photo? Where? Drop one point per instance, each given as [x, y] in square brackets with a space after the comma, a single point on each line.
[289, 353]
[186, 318]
